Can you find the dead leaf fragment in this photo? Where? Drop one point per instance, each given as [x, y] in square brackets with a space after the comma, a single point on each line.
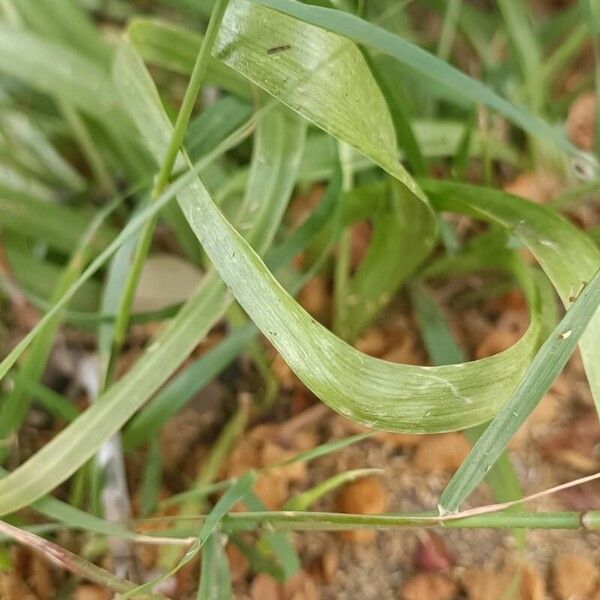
[261, 447]
[41, 579]
[544, 413]
[284, 374]
[429, 586]
[574, 577]
[509, 328]
[372, 342]
[329, 565]
[432, 554]
[360, 238]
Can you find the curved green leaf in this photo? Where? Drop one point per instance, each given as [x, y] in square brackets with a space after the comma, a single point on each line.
[381, 394]
[368, 390]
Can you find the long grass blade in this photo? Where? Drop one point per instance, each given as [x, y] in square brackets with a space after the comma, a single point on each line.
[538, 378]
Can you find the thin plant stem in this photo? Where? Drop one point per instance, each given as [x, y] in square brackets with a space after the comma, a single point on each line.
[449, 28]
[329, 521]
[162, 180]
[343, 254]
[134, 225]
[223, 445]
[64, 559]
[16, 405]
[237, 318]
[189, 100]
[93, 157]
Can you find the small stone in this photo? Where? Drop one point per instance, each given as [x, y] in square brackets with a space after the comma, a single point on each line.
[581, 121]
[300, 587]
[372, 342]
[365, 496]
[443, 452]
[91, 592]
[238, 563]
[315, 297]
[574, 577]
[483, 584]
[264, 587]
[539, 187]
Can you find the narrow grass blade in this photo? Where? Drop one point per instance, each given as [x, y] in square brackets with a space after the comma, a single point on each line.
[443, 349]
[324, 449]
[523, 39]
[398, 228]
[66, 22]
[324, 521]
[134, 225]
[161, 44]
[56, 70]
[538, 378]
[321, 450]
[214, 124]
[30, 139]
[235, 493]
[41, 220]
[36, 280]
[304, 500]
[215, 576]
[16, 404]
[274, 550]
[152, 479]
[383, 69]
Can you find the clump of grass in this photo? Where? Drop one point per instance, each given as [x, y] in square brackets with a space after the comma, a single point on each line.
[94, 163]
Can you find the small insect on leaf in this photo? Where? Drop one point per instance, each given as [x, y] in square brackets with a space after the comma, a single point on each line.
[278, 49]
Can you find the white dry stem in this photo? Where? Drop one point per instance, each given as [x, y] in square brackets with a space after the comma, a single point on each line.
[115, 493]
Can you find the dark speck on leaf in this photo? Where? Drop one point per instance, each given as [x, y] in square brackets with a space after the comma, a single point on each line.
[278, 49]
